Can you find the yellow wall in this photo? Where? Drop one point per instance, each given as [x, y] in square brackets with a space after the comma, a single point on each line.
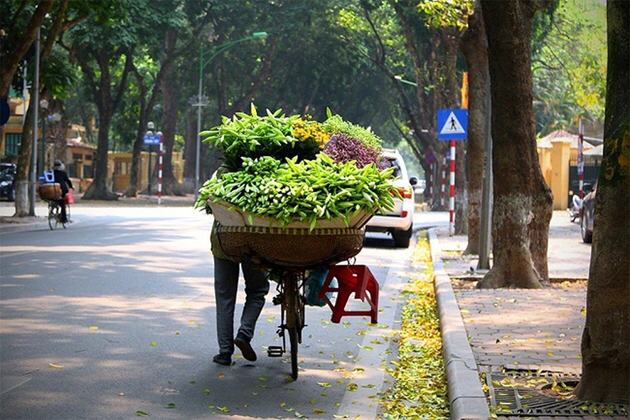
[119, 168]
[560, 154]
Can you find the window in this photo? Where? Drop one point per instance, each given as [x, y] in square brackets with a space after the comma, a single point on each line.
[72, 170]
[88, 171]
[77, 156]
[122, 168]
[12, 145]
[88, 157]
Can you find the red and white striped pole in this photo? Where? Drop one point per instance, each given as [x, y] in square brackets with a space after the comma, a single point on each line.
[431, 169]
[443, 183]
[451, 200]
[160, 154]
[580, 166]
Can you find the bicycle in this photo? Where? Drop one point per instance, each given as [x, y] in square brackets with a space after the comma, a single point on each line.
[291, 299]
[274, 249]
[54, 214]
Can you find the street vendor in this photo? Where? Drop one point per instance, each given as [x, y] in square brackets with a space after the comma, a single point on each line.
[226, 275]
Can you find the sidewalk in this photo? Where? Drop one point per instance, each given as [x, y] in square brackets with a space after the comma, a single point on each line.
[505, 349]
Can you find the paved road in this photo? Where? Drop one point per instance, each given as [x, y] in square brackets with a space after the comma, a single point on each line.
[115, 315]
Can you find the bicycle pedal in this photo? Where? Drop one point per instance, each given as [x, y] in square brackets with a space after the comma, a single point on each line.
[275, 351]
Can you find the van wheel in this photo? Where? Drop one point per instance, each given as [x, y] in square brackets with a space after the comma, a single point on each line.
[402, 237]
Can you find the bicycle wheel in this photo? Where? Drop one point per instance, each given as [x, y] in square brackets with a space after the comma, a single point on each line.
[293, 322]
[53, 215]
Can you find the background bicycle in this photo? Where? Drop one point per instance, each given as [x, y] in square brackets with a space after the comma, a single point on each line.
[51, 192]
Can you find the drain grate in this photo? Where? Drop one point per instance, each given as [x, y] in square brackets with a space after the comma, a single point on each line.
[524, 392]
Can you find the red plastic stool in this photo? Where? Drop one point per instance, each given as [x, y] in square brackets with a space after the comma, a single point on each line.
[351, 278]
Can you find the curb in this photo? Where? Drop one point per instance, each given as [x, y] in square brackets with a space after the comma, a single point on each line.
[466, 397]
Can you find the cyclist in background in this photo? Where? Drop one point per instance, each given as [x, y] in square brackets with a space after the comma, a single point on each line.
[61, 177]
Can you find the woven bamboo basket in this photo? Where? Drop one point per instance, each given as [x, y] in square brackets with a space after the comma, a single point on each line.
[51, 191]
[290, 247]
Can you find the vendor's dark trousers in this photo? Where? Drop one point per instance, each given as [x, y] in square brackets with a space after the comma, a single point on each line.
[62, 204]
[226, 275]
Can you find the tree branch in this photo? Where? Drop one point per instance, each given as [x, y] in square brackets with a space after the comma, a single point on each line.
[55, 29]
[22, 41]
[123, 79]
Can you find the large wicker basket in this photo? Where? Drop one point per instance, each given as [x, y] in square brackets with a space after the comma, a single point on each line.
[50, 191]
[289, 247]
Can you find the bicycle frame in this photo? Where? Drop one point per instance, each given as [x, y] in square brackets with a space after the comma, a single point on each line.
[291, 299]
[54, 214]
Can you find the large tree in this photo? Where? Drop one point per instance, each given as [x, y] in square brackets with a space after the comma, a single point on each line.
[23, 20]
[606, 337]
[522, 200]
[103, 49]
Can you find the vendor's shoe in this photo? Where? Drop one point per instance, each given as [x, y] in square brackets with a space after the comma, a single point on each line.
[223, 359]
[246, 348]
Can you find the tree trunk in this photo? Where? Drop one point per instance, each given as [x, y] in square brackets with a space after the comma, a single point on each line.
[98, 188]
[170, 94]
[606, 337]
[134, 171]
[22, 177]
[474, 46]
[106, 101]
[190, 149]
[522, 202]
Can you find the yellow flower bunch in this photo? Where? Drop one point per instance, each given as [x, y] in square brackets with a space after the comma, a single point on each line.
[304, 130]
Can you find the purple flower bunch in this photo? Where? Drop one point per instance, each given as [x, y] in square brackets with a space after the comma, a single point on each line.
[343, 148]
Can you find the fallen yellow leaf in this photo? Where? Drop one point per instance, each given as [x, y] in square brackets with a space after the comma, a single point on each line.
[55, 366]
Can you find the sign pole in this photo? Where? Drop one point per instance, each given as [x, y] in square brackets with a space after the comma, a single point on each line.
[451, 200]
[580, 166]
[443, 183]
[149, 190]
[160, 154]
[452, 125]
[431, 167]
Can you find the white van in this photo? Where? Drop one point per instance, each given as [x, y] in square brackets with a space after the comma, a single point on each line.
[399, 221]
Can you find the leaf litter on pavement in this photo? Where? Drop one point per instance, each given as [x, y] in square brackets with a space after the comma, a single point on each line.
[420, 386]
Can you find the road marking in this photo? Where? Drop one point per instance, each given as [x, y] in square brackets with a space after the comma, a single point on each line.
[12, 382]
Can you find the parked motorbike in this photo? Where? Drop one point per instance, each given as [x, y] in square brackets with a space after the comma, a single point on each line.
[575, 210]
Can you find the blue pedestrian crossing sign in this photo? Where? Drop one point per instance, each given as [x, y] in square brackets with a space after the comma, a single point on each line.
[452, 124]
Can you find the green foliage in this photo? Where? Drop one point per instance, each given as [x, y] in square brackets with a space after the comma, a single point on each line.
[440, 13]
[253, 136]
[569, 66]
[302, 191]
